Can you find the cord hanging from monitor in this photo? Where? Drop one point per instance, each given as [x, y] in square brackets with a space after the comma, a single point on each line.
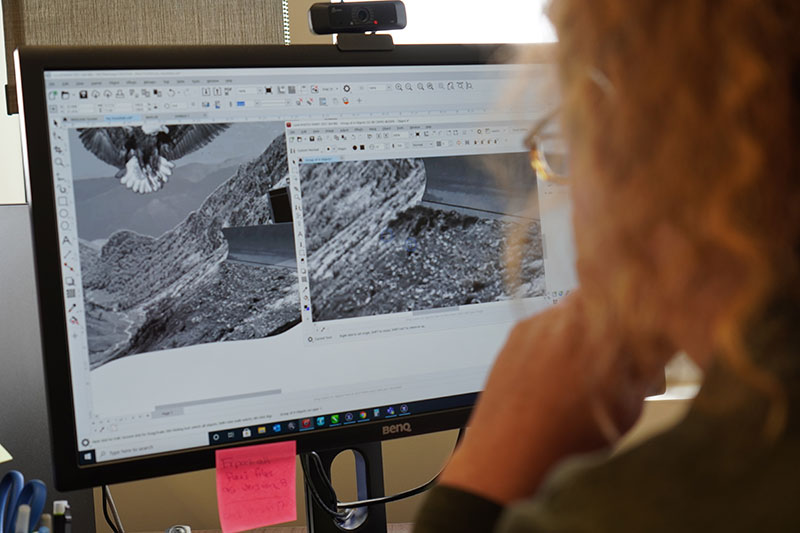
[108, 503]
[343, 510]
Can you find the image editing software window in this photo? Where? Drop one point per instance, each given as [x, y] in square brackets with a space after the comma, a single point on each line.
[258, 252]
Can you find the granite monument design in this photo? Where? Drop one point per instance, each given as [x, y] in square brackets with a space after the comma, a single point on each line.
[395, 235]
[176, 288]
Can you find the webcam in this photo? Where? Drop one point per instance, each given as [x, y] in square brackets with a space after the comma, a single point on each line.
[356, 17]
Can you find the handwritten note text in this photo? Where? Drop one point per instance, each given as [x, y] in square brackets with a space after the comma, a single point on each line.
[256, 486]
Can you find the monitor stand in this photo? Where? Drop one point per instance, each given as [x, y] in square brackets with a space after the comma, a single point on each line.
[369, 484]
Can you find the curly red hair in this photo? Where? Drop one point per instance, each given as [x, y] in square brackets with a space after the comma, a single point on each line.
[694, 120]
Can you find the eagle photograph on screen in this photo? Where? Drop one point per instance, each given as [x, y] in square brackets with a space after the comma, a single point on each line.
[185, 235]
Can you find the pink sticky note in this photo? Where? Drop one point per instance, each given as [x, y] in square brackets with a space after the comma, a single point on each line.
[256, 486]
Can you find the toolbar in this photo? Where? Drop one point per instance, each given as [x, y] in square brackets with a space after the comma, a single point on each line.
[128, 99]
[306, 141]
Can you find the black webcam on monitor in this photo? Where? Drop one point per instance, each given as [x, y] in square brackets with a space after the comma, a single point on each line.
[356, 17]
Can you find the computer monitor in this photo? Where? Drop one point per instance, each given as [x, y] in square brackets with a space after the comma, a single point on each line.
[240, 245]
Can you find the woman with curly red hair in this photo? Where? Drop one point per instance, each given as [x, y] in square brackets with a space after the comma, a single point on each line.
[682, 118]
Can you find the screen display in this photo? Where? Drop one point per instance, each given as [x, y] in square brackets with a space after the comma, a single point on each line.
[251, 253]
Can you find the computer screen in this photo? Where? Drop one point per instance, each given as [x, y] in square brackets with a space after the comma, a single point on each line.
[241, 245]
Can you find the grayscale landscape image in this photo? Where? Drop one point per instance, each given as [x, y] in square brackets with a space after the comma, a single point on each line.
[388, 236]
[183, 236]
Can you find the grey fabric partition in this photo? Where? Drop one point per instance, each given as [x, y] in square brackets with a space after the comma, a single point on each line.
[23, 413]
[140, 22]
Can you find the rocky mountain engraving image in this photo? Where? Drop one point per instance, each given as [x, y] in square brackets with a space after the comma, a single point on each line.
[155, 256]
[395, 235]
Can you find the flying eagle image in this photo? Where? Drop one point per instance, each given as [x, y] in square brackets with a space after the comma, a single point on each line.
[144, 154]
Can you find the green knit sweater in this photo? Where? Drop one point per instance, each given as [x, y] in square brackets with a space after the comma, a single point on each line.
[713, 471]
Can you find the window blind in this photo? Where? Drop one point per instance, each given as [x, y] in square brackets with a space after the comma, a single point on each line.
[139, 22]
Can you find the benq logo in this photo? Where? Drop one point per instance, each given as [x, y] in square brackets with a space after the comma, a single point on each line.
[397, 428]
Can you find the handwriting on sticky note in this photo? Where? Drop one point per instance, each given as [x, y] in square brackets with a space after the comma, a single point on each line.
[256, 486]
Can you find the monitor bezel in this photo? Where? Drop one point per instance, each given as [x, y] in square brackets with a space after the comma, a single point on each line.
[32, 62]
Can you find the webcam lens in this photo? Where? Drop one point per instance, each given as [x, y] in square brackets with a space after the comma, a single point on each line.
[362, 15]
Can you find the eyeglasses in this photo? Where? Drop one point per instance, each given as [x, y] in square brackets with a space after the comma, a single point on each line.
[548, 150]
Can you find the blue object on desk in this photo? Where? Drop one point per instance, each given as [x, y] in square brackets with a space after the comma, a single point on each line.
[14, 492]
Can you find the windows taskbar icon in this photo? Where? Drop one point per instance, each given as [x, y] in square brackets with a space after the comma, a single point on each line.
[273, 429]
[87, 457]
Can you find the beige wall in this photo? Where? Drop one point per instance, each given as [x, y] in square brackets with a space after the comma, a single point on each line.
[298, 24]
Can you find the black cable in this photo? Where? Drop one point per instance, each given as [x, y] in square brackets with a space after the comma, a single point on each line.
[360, 503]
[388, 499]
[105, 511]
[312, 487]
[400, 495]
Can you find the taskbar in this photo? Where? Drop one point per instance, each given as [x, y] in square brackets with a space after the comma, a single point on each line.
[341, 419]
[316, 423]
